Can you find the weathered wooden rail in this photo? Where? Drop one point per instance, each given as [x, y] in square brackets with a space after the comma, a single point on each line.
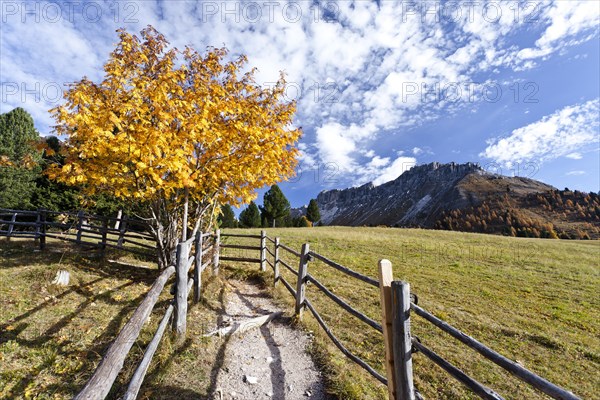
[79, 228]
[523, 374]
[190, 253]
[396, 308]
[395, 299]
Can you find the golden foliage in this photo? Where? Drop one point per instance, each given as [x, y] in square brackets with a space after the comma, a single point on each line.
[155, 126]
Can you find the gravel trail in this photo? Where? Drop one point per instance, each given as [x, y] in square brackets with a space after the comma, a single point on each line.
[269, 362]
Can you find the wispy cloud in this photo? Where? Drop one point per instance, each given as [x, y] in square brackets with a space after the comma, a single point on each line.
[561, 133]
[566, 21]
[575, 173]
[358, 69]
[574, 156]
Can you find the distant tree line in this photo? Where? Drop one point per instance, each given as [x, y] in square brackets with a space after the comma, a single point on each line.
[275, 212]
[563, 214]
[24, 158]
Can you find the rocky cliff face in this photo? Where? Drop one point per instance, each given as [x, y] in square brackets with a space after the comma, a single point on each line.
[419, 196]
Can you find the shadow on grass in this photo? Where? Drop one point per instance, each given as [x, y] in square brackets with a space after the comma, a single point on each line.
[15, 254]
[48, 303]
[19, 253]
[64, 321]
[166, 392]
[170, 392]
[45, 339]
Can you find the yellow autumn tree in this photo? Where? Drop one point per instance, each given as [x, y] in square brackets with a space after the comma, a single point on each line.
[178, 131]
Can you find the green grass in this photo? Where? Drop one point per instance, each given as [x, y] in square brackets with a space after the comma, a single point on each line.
[532, 300]
[52, 338]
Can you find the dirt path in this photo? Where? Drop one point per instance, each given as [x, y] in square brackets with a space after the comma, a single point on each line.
[269, 362]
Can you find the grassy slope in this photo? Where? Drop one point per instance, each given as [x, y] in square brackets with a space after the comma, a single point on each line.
[51, 338]
[532, 300]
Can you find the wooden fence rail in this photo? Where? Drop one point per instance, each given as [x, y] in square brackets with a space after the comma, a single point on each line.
[103, 378]
[81, 230]
[396, 308]
[523, 374]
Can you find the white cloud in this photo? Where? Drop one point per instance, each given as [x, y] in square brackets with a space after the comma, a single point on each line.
[417, 150]
[574, 156]
[378, 162]
[575, 173]
[393, 171]
[338, 143]
[566, 21]
[555, 135]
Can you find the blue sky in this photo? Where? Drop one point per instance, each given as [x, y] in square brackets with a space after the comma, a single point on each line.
[381, 86]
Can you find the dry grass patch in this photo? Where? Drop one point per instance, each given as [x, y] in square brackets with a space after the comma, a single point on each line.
[52, 338]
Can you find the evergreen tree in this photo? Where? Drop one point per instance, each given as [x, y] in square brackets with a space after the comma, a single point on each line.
[52, 195]
[250, 217]
[312, 212]
[275, 205]
[287, 221]
[18, 159]
[227, 217]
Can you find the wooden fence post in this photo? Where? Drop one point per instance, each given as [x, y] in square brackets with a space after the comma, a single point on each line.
[43, 229]
[122, 229]
[104, 233]
[79, 226]
[276, 262]
[402, 344]
[216, 250]
[181, 278]
[118, 219]
[197, 266]
[301, 286]
[38, 218]
[11, 226]
[385, 290]
[263, 250]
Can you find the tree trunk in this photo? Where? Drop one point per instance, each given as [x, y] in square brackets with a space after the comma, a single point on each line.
[184, 228]
[118, 221]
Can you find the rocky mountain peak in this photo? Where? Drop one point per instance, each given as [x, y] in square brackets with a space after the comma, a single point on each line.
[416, 198]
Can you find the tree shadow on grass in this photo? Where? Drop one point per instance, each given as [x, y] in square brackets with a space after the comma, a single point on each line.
[49, 302]
[25, 253]
[166, 392]
[45, 339]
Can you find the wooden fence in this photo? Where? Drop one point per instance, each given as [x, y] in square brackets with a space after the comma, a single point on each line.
[397, 303]
[198, 252]
[126, 234]
[195, 252]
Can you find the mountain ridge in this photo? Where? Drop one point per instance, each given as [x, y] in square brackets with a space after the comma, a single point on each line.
[425, 195]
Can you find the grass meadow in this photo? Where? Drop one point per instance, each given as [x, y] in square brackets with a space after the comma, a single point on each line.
[52, 338]
[533, 300]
